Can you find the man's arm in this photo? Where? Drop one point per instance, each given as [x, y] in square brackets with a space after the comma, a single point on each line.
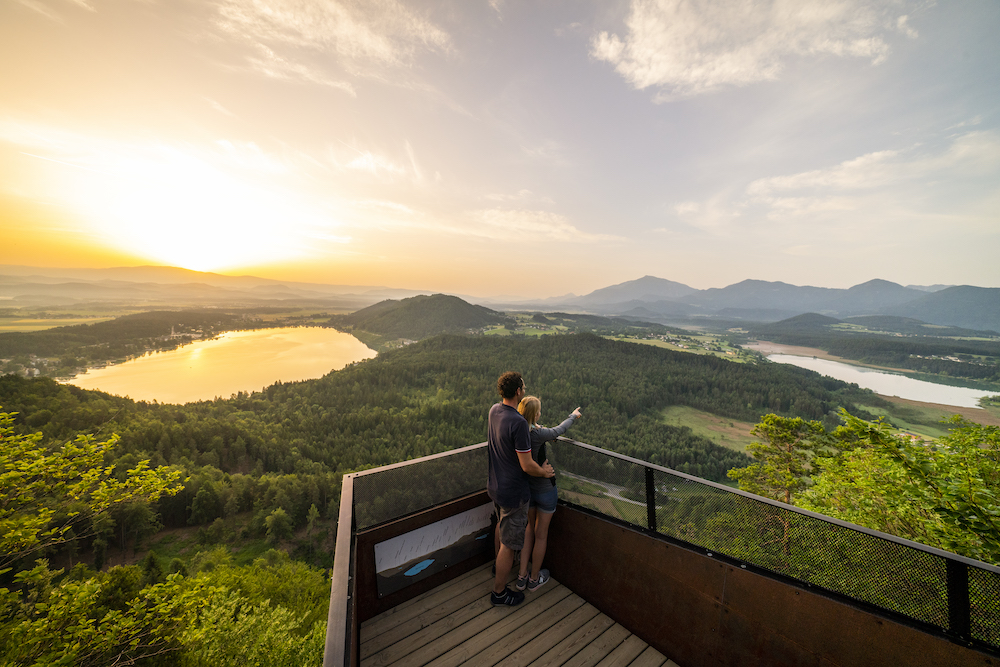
[529, 466]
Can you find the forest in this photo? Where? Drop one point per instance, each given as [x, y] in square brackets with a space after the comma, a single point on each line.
[266, 468]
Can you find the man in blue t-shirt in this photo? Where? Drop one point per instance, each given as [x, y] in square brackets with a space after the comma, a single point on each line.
[510, 465]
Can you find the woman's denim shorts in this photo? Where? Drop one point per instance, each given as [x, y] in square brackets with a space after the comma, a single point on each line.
[545, 502]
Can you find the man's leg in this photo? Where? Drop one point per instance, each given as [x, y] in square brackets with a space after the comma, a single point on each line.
[512, 525]
[505, 559]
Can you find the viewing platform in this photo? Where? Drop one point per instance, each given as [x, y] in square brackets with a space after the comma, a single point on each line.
[650, 567]
[454, 624]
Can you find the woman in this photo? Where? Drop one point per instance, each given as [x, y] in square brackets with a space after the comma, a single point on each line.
[543, 496]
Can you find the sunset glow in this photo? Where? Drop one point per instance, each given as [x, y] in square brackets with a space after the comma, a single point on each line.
[421, 145]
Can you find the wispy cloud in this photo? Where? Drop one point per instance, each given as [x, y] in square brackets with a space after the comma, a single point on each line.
[690, 47]
[270, 64]
[968, 156]
[362, 36]
[41, 8]
[531, 226]
[906, 184]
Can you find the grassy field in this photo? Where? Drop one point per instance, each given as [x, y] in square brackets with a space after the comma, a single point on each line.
[723, 431]
[694, 344]
[925, 419]
[28, 324]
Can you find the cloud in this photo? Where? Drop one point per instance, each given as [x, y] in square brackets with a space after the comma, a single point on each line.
[41, 8]
[968, 155]
[529, 226]
[691, 47]
[902, 24]
[270, 64]
[360, 35]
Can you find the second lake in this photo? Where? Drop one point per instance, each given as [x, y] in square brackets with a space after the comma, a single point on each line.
[234, 361]
[888, 384]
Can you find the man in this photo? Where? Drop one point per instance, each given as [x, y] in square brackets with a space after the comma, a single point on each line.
[510, 465]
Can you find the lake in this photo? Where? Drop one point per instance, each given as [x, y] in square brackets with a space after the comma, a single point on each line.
[888, 384]
[234, 361]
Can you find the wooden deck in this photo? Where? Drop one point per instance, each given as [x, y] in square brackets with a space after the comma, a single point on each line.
[455, 624]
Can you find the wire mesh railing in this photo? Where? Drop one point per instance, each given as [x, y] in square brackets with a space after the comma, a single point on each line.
[956, 595]
[394, 491]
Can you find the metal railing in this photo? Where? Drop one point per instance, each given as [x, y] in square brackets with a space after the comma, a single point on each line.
[927, 587]
[909, 582]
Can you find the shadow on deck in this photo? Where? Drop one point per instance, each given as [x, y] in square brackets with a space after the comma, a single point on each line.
[454, 624]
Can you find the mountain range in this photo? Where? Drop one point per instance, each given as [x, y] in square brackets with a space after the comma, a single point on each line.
[648, 298]
[762, 301]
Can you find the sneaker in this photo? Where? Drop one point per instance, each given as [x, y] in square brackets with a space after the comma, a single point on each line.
[535, 584]
[521, 582]
[507, 598]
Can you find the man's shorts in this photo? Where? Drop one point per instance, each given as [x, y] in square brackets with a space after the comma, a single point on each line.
[512, 525]
[545, 502]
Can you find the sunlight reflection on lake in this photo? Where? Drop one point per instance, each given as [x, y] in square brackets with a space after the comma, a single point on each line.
[888, 384]
[235, 361]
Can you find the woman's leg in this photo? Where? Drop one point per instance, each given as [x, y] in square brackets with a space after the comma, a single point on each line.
[541, 522]
[529, 536]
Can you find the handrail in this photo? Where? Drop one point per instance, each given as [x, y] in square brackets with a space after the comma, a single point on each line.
[336, 652]
[792, 508]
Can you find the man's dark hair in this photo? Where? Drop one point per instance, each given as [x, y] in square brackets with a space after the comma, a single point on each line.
[509, 383]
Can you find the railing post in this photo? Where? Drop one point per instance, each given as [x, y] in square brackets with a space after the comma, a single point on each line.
[959, 617]
[650, 500]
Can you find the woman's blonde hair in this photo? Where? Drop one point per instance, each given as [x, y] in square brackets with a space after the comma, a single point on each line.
[530, 407]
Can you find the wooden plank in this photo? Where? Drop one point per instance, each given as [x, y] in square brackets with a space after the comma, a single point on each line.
[649, 658]
[626, 652]
[671, 663]
[419, 605]
[406, 646]
[581, 637]
[598, 649]
[457, 635]
[433, 609]
[496, 642]
[534, 649]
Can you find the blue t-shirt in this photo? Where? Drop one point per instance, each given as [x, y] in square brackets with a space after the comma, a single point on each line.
[507, 434]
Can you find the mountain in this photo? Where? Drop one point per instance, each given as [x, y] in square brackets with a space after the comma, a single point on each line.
[962, 306]
[874, 296]
[419, 317]
[647, 288]
[760, 294]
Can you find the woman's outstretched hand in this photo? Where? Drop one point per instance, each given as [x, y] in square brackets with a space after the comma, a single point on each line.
[577, 413]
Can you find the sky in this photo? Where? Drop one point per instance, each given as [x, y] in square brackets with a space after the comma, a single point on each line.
[505, 148]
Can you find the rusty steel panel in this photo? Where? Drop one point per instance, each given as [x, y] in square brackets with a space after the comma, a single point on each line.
[702, 612]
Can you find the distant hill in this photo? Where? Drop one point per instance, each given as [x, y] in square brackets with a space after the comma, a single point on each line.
[963, 306]
[647, 288]
[874, 296]
[762, 295]
[419, 317]
[809, 322]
